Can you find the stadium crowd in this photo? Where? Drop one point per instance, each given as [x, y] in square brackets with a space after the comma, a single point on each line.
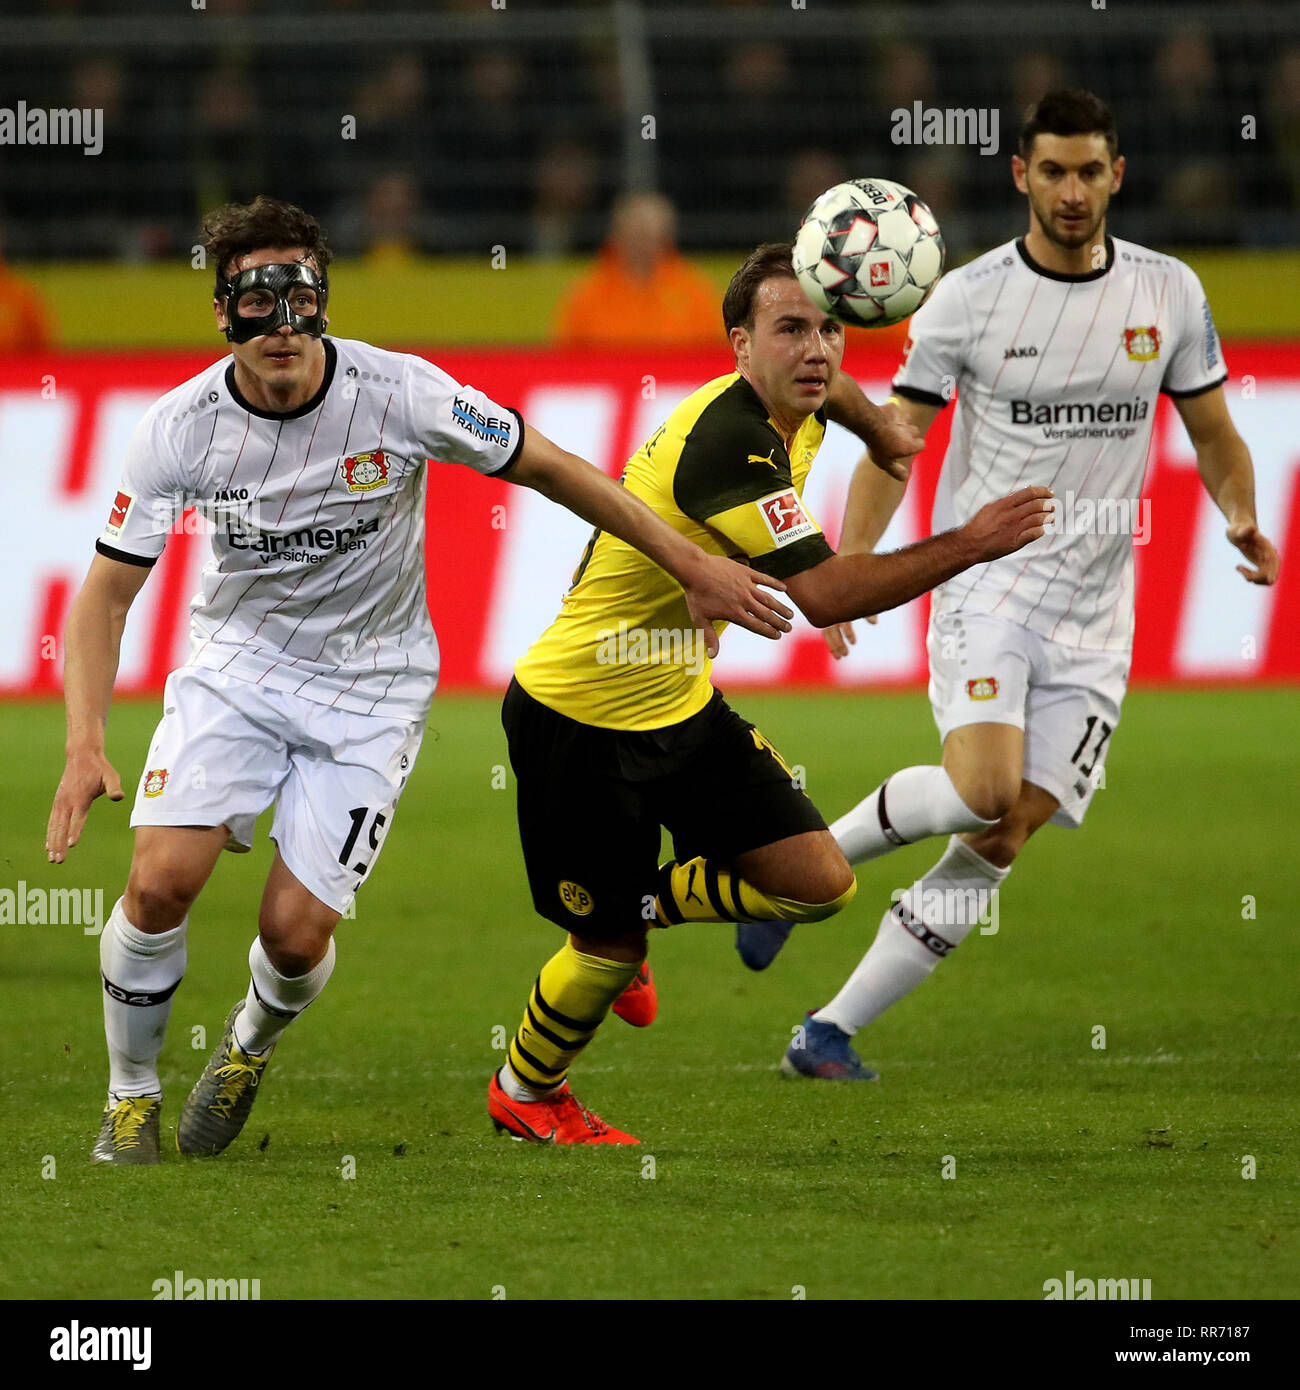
[455, 146]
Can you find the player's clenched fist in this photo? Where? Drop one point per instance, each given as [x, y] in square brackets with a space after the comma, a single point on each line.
[85, 777]
[894, 443]
[1009, 523]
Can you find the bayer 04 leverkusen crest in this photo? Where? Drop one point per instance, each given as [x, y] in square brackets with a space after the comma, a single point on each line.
[363, 472]
[1142, 344]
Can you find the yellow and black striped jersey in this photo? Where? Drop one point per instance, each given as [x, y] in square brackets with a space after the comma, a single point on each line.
[623, 654]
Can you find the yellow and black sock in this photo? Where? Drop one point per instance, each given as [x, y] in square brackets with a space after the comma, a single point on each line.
[701, 890]
[572, 995]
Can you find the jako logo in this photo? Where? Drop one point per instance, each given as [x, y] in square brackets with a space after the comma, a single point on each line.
[77, 1343]
[1098, 1289]
[229, 1290]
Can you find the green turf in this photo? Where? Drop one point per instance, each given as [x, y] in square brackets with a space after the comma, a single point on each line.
[1122, 1163]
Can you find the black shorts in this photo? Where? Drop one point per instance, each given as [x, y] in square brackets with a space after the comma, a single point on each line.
[592, 800]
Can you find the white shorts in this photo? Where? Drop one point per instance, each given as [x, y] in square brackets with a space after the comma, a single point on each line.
[226, 749]
[1067, 700]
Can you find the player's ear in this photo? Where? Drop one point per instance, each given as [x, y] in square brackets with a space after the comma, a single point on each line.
[1019, 171]
[219, 309]
[1118, 175]
[739, 340]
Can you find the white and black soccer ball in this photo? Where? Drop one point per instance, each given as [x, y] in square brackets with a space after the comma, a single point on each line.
[868, 252]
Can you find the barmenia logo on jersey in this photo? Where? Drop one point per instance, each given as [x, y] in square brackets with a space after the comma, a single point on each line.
[362, 472]
[309, 544]
[1079, 412]
[1142, 344]
[785, 517]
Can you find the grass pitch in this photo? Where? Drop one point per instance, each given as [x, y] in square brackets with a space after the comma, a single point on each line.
[1169, 922]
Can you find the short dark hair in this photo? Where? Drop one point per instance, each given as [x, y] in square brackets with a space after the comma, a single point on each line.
[772, 258]
[1074, 112]
[235, 229]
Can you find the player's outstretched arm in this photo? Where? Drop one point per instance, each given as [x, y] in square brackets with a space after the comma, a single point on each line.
[853, 586]
[875, 493]
[1223, 461]
[890, 433]
[716, 588]
[91, 644]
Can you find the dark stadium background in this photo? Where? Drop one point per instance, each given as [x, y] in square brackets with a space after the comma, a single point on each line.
[487, 133]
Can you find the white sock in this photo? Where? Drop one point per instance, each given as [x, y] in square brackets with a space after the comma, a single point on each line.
[516, 1089]
[140, 972]
[274, 1000]
[936, 914]
[911, 805]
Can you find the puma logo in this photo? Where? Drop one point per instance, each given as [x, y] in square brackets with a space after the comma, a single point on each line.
[690, 886]
[758, 458]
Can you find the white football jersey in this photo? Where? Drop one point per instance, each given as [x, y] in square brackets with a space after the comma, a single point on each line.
[315, 583]
[1057, 378]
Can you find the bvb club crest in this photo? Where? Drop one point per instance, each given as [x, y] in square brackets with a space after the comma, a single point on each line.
[155, 781]
[362, 472]
[576, 898]
[1142, 344]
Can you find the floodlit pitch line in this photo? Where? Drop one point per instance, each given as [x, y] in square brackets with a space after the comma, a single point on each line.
[901, 1064]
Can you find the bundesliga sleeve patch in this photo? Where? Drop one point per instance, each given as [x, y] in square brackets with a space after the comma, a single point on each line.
[785, 518]
[122, 504]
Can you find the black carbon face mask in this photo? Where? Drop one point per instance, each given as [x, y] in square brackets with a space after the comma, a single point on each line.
[276, 284]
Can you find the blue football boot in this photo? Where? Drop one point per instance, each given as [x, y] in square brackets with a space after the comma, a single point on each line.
[821, 1051]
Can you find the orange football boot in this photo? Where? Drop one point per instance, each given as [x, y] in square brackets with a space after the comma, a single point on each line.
[559, 1118]
[639, 1002]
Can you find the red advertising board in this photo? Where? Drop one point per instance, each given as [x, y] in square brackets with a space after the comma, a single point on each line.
[499, 557]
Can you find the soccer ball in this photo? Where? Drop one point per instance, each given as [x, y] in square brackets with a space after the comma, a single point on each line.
[868, 252]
